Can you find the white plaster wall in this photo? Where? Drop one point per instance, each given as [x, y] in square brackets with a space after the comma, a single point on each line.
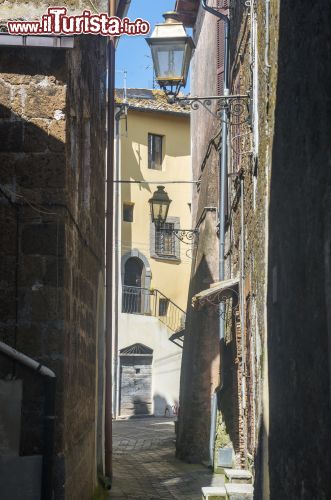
[149, 331]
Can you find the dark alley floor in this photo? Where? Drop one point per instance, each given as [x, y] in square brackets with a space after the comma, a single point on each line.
[145, 467]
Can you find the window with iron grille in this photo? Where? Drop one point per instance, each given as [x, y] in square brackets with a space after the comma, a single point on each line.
[165, 240]
[155, 151]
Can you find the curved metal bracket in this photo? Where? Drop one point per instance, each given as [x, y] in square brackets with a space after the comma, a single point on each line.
[235, 105]
[186, 236]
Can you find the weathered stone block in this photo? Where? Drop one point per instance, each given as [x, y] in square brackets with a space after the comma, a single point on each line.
[238, 476]
[30, 341]
[10, 416]
[57, 129]
[8, 237]
[53, 274]
[11, 137]
[53, 337]
[214, 493]
[43, 239]
[4, 101]
[7, 271]
[7, 304]
[37, 138]
[21, 78]
[31, 270]
[17, 100]
[43, 102]
[239, 491]
[46, 304]
[34, 170]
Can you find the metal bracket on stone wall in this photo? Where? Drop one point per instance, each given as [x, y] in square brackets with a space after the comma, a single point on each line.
[236, 105]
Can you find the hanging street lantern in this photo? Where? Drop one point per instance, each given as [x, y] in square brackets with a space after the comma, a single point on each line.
[171, 49]
[159, 204]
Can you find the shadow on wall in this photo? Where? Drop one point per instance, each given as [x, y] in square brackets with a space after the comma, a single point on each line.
[163, 408]
[140, 408]
[32, 162]
[299, 259]
[199, 369]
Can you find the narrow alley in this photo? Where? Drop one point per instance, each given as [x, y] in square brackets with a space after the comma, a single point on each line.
[165, 250]
[145, 467]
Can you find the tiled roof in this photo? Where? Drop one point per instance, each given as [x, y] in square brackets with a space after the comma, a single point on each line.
[149, 100]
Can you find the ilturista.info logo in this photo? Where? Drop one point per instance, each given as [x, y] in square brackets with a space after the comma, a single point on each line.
[57, 22]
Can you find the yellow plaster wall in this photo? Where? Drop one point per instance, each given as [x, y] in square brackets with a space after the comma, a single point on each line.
[171, 278]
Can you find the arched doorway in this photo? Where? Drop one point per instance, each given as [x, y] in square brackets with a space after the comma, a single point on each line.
[136, 281]
[133, 270]
[132, 289]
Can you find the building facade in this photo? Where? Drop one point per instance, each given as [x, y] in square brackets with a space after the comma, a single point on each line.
[53, 147]
[250, 396]
[153, 266]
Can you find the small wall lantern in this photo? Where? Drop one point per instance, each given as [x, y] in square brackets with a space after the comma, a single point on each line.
[171, 49]
[159, 204]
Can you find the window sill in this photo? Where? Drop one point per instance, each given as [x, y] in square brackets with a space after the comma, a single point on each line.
[166, 258]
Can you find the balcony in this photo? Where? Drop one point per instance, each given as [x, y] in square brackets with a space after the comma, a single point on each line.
[142, 301]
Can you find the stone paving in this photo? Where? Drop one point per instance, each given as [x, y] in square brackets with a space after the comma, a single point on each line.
[145, 467]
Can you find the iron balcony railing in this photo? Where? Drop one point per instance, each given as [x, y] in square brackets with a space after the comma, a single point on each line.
[147, 302]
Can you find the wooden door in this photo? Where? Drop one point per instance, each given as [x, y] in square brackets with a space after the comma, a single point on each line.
[136, 385]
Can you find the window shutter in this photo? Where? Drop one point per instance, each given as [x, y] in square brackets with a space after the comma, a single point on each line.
[150, 151]
[223, 6]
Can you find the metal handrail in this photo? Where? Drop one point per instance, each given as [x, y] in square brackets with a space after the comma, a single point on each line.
[169, 300]
[144, 301]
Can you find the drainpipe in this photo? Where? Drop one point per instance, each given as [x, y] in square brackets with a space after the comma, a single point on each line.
[49, 414]
[109, 246]
[116, 282]
[222, 192]
[242, 305]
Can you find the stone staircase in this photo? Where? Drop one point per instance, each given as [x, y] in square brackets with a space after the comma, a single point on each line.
[238, 486]
[20, 477]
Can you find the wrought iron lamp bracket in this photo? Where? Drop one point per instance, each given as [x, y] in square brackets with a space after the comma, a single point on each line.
[235, 104]
[186, 236]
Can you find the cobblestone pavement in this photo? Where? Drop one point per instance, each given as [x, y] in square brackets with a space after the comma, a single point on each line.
[145, 467]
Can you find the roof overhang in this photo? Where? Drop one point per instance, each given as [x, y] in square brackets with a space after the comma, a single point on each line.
[57, 42]
[218, 292]
[187, 11]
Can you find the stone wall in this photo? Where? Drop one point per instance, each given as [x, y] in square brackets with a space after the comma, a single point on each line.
[52, 210]
[299, 256]
[200, 362]
[275, 408]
